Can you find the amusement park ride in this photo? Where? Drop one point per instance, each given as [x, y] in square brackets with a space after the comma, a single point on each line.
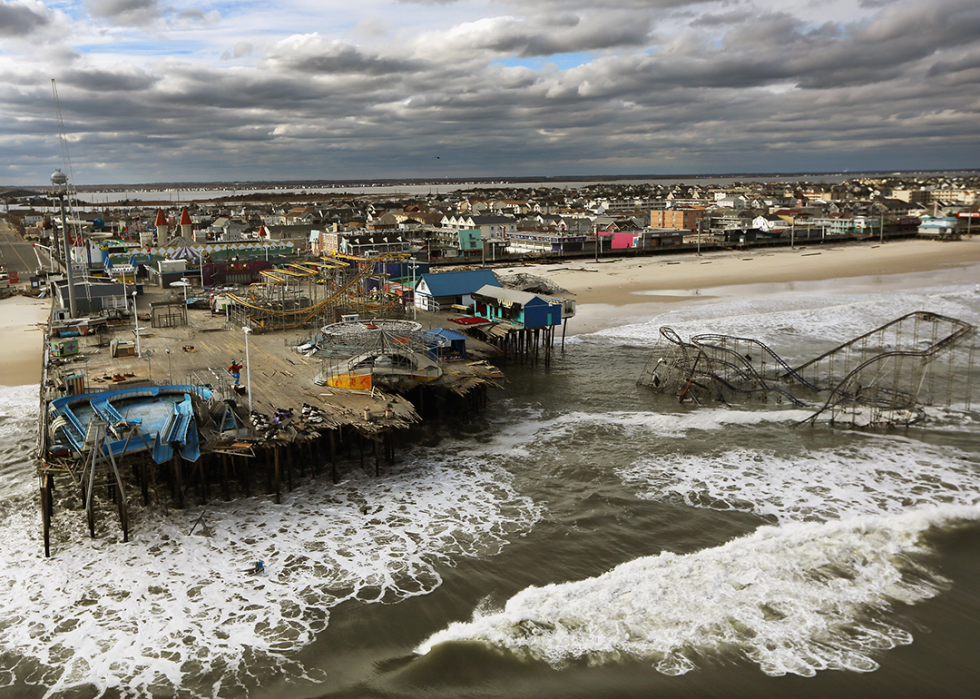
[313, 293]
[887, 376]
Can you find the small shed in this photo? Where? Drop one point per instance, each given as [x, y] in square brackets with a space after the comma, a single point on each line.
[445, 342]
[168, 314]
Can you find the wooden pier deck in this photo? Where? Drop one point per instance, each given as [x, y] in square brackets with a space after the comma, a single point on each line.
[281, 430]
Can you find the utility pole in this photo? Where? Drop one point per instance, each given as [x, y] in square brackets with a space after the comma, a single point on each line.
[414, 265]
[136, 319]
[248, 368]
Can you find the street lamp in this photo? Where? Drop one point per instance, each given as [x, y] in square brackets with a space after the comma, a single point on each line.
[414, 265]
[183, 283]
[170, 367]
[60, 182]
[248, 368]
[136, 322]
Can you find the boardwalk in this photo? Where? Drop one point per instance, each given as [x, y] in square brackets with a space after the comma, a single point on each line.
[285, 418]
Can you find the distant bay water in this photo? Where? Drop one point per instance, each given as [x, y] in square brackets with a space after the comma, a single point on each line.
[191, 193]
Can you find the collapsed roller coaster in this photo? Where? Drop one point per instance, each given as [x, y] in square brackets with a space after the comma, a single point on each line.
[887, 376]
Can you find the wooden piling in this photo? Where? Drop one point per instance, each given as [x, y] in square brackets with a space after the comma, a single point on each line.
[246, 481]
[46, 511]
[144, 482]
[178, 480]
[225, 489]
[275, 479]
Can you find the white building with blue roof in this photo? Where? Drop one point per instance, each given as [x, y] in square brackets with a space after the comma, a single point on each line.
[441, 290]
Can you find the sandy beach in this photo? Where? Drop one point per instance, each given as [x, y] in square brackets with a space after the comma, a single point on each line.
[20, 339]
[617, 288]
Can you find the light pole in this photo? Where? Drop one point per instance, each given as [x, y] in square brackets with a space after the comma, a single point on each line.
[248, 369]
[170, 367]
[414, 265]
[60, 182]
[136, 322]
[183, 283]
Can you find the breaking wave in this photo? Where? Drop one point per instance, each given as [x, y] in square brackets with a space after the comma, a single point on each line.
[793, 599]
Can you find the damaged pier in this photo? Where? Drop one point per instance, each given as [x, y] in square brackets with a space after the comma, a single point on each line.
[152, 410]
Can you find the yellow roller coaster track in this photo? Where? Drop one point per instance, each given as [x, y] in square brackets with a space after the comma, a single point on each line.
[300, 316]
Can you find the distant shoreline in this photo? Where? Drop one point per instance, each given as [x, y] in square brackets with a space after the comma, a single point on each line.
[462, 181]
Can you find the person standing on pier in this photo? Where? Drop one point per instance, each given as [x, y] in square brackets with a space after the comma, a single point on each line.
[236, 370]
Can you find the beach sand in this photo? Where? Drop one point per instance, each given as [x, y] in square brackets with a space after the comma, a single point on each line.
[618, 288]
[21, 339]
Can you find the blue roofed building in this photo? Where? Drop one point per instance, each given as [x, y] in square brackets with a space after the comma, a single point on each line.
[445, 343]
[519, 308]
[441, 291]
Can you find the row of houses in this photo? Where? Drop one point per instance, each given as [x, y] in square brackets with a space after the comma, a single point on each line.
[545, 220]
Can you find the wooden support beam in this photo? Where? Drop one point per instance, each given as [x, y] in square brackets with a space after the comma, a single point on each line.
[225, 489]
[246, 481]
[46, 513]
[275, 479]
[178, 479]
[144, 482]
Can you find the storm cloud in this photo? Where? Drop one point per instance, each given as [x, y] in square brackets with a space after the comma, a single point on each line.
[20, 18]
[169, 93]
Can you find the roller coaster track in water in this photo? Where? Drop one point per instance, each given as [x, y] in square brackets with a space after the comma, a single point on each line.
[885, 376]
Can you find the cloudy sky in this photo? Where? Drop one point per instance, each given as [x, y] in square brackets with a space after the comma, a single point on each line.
[190, 90]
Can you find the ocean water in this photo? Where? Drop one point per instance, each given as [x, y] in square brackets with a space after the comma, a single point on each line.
[583, 537]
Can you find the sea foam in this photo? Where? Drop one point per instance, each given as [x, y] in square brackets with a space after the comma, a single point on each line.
[173, 609]
[868, 475]
[793, 599]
